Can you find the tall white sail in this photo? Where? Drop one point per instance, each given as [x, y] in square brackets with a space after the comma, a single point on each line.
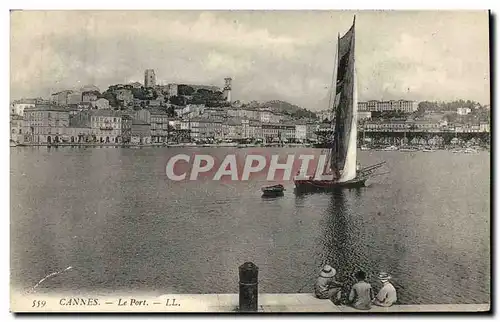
[343, 154]
[349, 171]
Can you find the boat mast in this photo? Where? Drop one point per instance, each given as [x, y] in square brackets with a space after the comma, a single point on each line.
[332, 105]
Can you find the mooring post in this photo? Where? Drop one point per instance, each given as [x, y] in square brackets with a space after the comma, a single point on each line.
[248, 287]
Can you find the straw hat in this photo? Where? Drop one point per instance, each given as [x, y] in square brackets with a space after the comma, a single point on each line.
[328, 271]
[384, 277]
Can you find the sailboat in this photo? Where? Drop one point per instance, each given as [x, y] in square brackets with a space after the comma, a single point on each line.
[342, 169]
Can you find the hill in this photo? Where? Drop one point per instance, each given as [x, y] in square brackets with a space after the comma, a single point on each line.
[288, 108]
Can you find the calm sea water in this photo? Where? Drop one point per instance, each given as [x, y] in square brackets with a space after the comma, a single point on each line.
[113, 216]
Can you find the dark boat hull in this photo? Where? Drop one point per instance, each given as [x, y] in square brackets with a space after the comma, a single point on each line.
[325, 186]
[269, 194]
[273, 191]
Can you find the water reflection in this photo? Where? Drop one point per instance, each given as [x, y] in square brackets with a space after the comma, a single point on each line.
[299, 199]
[357, 192]
[339, 237]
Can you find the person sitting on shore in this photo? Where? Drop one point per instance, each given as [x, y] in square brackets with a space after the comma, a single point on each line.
[387, 295]
[326, 286]
[361, 293]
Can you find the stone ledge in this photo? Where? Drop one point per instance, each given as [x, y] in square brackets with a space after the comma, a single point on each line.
[304, 302]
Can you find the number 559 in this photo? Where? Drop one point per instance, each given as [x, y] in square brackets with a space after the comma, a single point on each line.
[37, 303]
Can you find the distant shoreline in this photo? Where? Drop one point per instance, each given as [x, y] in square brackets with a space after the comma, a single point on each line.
[162, 145]
[239, 146]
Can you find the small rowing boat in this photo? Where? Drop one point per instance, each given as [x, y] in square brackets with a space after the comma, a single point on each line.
[273, 191]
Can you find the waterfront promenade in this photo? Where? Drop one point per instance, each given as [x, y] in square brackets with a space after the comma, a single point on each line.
[225, 303]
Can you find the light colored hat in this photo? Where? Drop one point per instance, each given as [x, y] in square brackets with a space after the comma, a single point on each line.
[328, 271]
[383, 276]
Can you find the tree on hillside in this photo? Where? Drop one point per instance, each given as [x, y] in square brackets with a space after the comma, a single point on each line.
[303, 113]
[218, 96]
[111, 97]
[390, 114]
[426, 106]
[199, 97]
[185, 90]
[253, 104]
[177, 100]
[451, 117]
[113, 88]
[151, 94]
[144, 94]
[170, 111]
[204, 92]
[139, 93]
[96, 93]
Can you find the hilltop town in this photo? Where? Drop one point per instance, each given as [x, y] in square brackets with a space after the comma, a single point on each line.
[145, 114]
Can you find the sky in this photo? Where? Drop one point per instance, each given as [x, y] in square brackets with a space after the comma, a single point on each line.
[285, 55]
